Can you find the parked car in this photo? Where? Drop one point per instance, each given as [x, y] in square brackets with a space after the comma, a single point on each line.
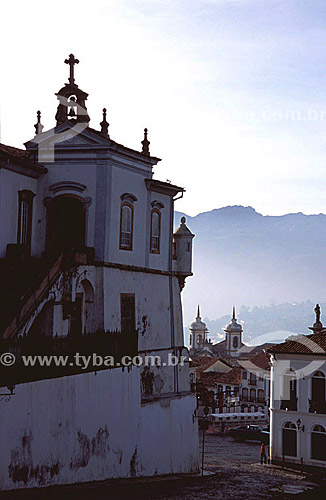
[249, 433]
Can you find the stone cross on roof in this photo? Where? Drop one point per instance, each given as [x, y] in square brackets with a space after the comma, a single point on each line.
[72, 61]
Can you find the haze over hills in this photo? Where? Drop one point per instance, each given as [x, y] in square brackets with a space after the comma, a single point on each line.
[244, 258]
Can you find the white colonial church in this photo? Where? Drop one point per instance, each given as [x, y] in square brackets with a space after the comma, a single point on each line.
[90, 264]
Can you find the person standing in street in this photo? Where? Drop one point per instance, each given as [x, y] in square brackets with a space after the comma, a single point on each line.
[263, 457]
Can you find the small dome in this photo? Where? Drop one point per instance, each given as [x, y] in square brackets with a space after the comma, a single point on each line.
[198, 324]
[233, 326]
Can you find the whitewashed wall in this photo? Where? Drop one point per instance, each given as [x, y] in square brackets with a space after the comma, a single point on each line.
[92, 427]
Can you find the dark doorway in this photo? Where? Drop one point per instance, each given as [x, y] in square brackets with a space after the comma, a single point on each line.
[66, 224]
[318, 443]
[289, 440]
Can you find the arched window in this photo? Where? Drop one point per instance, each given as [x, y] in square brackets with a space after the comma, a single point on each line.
[155, 231]
[289, 442]
[244, 394]
[227, 390]
[253, 395]
[318, 443]
[318, 387]
[126, 226]
[235, 342]
[261, 396]
[220, 388]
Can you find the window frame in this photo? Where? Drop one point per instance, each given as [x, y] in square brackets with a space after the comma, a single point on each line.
[25, 196]
[151, 249]
[121, 245]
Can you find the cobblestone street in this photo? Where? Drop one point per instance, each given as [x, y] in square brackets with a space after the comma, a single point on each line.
[234, 472]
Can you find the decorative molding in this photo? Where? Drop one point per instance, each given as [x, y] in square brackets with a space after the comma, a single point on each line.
[128, 197]
[67, 186]
[157, 204]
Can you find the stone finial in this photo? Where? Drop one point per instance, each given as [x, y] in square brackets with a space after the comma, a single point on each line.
[104, 125]
[145, 143]
[38, 125]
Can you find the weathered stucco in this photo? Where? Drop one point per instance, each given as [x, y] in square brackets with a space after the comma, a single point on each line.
[92, 427]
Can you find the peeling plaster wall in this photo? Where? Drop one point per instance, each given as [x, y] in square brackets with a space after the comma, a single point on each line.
[92, 427]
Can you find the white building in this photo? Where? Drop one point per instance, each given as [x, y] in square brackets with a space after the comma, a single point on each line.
[298, 399]
[90, 264]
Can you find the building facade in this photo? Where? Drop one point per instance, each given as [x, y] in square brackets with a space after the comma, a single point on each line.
[298, 399]
[90, 264]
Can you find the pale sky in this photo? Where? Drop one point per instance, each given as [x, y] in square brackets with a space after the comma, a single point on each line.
[233, 92]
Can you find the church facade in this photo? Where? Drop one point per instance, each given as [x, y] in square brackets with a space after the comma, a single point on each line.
[91, 267]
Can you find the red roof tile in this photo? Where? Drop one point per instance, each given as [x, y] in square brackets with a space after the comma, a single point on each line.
[302, 344]
[212, 378]
[14, 152]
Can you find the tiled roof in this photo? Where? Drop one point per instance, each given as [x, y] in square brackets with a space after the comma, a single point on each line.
[260, 360]
[14, 152]
[202, 362]
[212, 378]
[302, 344]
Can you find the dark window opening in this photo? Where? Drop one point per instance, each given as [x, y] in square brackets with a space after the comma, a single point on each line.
[25, 209]
[318, 387]
[128, 323]
[253, 395]
[155, 231]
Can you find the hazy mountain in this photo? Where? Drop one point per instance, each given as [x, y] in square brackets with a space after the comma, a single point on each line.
[244, 258]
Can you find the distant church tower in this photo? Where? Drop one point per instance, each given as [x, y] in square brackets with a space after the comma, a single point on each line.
[198, 335]
[233, 337]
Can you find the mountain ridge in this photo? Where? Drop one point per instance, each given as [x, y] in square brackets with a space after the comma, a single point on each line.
[242, 257]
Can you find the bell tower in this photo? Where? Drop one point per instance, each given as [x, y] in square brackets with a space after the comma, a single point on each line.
[198, 334]
[72, 100]
[233, 336]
